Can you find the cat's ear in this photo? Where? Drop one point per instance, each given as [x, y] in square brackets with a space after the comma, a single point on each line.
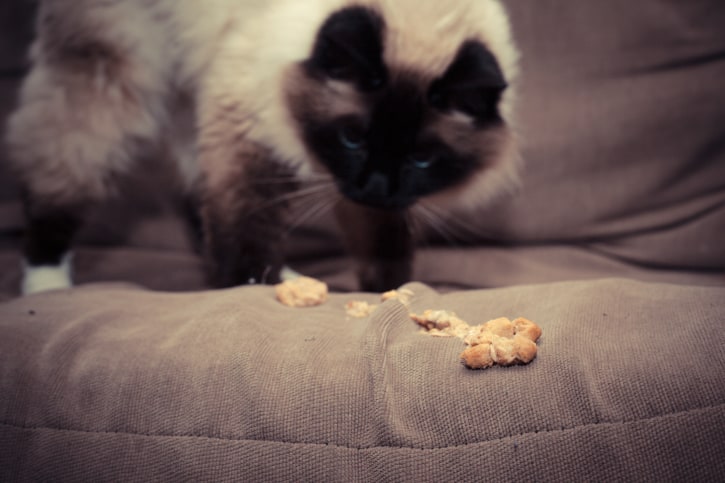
[349, 47]
[472, 84]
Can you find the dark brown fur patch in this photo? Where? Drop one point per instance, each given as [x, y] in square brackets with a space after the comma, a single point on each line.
[380, 241]
[245, 219]
[50, 230]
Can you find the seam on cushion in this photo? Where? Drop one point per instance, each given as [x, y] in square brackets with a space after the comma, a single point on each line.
[364, 448]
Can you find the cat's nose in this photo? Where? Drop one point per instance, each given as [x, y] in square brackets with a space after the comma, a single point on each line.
[376, 186]
[378, 190]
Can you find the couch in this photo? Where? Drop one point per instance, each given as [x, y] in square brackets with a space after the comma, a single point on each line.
[614, 245]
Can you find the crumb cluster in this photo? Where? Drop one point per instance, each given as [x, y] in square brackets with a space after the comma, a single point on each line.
[403, 295]
[301, 292]
[498, 341]
[360, 309]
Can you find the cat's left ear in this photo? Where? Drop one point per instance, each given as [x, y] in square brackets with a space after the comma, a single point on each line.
[349, 47]
[472, 84]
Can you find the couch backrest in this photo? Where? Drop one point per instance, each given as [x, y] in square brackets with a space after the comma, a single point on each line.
[623, 115]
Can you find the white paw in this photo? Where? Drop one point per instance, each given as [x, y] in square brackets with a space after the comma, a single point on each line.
[288, 274]
[47, 277]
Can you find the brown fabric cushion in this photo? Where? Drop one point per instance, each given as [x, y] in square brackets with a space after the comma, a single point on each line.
[114, 382]
[622, 113]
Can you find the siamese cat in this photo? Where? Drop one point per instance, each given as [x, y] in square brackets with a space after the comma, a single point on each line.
[392, 110]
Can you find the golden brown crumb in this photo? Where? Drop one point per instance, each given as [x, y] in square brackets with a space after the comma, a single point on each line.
[301, 292]
[359, 308]
[502, 351]
[525, 349]
[478, 356]
[403, 295]
[527, 329]
[441, 320]
[498, 341]
[501, 327]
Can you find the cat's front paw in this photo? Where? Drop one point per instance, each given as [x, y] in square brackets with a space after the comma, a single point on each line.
[250, 273]
[383, 275]
[46, 277]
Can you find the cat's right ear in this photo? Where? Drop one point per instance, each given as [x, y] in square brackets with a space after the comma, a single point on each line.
[472, 84]
[349, 47]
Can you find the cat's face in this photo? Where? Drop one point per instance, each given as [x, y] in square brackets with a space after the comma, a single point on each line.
[391, 135]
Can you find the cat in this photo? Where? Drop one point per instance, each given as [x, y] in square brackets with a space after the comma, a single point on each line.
[392, 109]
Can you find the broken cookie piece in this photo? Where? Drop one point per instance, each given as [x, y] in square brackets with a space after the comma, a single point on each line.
[478, 357]
[500, 350]
[498, 341]
[501, 342]
[527, 329]
[442, 323]
[403, 295]
[359, 309]
[301, 292]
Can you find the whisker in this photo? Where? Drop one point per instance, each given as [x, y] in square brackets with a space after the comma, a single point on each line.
[416, 228]
[320, 205]
[452, 230]
[292, 179]
[292, 196]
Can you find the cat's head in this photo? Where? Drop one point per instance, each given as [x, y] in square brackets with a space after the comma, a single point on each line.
[399, 111]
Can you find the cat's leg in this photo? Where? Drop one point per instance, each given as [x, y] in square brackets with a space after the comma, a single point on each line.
[80, 114]
[381, 242]
[47, 249]
[245, 213]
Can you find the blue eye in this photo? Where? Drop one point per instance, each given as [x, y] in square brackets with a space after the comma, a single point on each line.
[351, 138]
[423, 160]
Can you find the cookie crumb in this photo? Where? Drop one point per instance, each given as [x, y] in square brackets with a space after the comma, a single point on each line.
[442, 323]
[359, 309]
[301, 292]
[403, 295]
[498, 341]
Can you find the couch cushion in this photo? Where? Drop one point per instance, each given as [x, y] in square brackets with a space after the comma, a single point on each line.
[115, 382]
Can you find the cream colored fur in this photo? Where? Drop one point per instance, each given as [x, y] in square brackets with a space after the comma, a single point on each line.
[76, 130]
[106, 76]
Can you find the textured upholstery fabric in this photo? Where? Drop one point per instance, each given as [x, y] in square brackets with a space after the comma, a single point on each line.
[123, 383]
[615, 245]
[623, 118]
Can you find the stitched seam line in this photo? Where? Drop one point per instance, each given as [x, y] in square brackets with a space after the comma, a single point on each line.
[362, 448]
